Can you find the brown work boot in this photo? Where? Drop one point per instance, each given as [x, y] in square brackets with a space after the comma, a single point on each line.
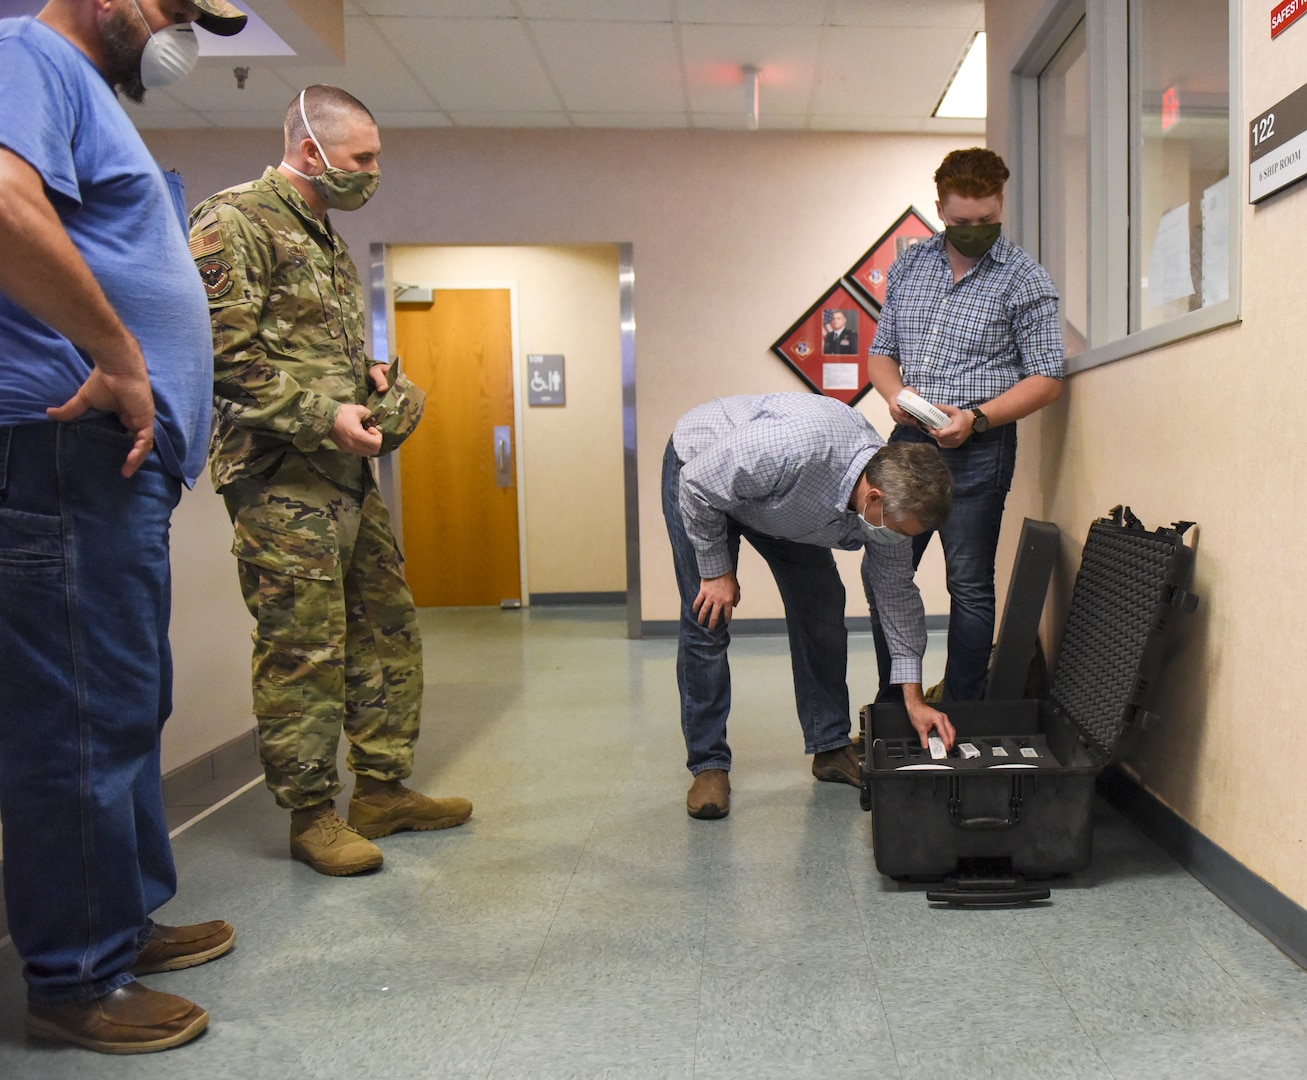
[709, 796]
[131, 1020]
[840, 766]
[320, 838]
[382, 807]
[172, 948]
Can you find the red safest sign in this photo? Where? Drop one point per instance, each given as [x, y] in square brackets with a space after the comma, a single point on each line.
[1285, 14]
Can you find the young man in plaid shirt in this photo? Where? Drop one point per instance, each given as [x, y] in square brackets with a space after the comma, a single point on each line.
[971, 324]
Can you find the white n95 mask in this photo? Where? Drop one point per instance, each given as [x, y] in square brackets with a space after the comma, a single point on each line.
[169, 55]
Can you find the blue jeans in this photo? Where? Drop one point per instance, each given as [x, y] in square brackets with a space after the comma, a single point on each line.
[85, 686]
[813, 595]
[981, 469]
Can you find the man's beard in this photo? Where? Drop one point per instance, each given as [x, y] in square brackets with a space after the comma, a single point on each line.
[122, 45]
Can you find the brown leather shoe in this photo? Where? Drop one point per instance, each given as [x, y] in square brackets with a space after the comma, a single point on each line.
[172, 948]
[320, 838]
[840, 766]
[709, 796]
[132, 1020]
[382, 807]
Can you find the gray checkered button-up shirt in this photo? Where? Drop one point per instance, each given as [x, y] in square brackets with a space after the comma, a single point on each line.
[785, 465]
[965, 343]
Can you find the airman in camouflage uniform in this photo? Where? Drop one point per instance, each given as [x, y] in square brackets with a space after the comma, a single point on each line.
[336, 645]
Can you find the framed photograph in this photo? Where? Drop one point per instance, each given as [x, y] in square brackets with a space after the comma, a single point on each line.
[867, 275]
[827, 347]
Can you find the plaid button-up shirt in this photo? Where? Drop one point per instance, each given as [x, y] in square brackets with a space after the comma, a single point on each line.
[785, 465]
[964, 343]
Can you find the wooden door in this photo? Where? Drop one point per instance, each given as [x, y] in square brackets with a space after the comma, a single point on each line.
[458, 480]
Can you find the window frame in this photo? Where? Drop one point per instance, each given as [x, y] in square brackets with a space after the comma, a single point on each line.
[1113, 185]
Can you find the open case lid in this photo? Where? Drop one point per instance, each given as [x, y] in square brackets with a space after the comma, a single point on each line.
[1129, 581]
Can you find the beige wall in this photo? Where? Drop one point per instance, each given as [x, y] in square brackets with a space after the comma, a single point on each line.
[567, 302]
[734, 236]
[1183, 432]
[210, 633]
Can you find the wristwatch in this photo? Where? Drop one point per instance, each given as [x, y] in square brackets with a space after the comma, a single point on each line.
[980, 424]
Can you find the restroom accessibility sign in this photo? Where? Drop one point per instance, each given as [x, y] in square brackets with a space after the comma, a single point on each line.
[1277, 146]
[544, 379]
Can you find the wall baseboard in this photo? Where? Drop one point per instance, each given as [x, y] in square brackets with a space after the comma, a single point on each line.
[573, 599]
[659, 628]
[1261, 905]
[238, 755]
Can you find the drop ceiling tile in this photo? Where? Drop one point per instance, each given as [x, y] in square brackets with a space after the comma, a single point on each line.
[785, 56]
[865, 123]
[646, 121]
[437, 9]
[640, 71]
[509, 119]
[764, 12]
[875, 73]
[711, 121]
[935, 14]
[481, 65]
[779, 122]
[861, 65]
[599, 10]
[212, 85]
[398, 118]
[374, 72]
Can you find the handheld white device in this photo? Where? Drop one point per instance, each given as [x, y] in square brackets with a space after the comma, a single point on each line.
[917, 406]
[937, 750]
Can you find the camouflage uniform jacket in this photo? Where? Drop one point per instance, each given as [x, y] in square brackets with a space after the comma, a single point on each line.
[287, 311]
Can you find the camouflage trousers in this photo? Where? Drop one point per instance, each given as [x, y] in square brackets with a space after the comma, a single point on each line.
[336, 641]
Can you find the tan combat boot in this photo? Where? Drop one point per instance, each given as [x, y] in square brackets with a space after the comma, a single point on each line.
[382, 807]
[320, 838]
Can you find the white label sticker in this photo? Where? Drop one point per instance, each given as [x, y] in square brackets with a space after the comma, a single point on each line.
[839, 376]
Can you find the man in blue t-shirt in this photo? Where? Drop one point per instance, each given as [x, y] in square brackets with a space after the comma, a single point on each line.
[105, 375]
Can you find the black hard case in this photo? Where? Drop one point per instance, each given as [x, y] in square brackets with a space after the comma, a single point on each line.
[926, 825]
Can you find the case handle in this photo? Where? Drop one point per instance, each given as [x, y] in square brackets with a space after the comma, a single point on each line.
[993, 898]
[986, 822]
[1143, 719]
[983, 823]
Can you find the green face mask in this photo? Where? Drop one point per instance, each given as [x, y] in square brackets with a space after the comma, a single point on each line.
[973, 240]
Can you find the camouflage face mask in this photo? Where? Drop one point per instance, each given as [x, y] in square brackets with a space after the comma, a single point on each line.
[345, 190]
[340, 189]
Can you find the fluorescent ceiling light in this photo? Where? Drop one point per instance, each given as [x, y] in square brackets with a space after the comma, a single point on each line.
[965, 96]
